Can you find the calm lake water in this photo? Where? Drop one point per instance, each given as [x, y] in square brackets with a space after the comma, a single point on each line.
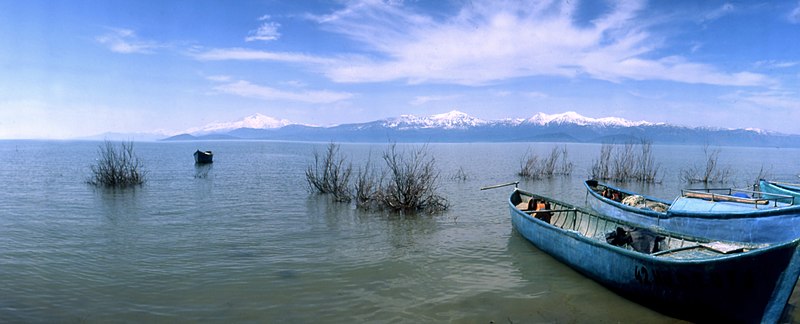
[242, 240]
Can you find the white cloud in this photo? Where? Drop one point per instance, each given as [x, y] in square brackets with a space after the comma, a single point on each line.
[268, 31]
[673, 68]
[125, 41]
[794, 16]
[767, 99]
[247, 89]
[219, 78]
[421, 100]
[491, 41]
[720, 12]
[501, 93]
[536, 95]
[773, 64]
[296, 83]
[649, 96]
[256, 55]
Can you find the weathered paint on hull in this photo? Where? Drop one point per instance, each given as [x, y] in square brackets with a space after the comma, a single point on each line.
[762, 226]
[753, 287]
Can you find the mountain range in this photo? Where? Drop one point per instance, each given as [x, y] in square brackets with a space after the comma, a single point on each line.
[456, 126]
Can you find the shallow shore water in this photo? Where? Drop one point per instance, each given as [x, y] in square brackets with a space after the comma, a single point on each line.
[242, 239]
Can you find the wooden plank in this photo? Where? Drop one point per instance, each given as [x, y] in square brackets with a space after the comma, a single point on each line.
[716, 197]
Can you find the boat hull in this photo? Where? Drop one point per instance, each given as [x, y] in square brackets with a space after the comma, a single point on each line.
[203, 157]
[747, 287]
[780, 189]
[755, 225]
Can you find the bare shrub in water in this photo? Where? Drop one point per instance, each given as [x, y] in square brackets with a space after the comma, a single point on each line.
[330, 174]
[367, 187]
[411, 182]
[557, 163]
[712, 172]
[117, 166]
[601, 167]
[460, 175]
[628, 162]
[408, 183]
[762, 174]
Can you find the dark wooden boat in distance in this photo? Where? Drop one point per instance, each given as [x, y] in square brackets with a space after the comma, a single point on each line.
[689, 278]
[203, 157]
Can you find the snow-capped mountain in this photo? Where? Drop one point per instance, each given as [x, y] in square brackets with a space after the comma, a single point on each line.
[572, 117]
[257, 121]
[456, 126]
[450, 120]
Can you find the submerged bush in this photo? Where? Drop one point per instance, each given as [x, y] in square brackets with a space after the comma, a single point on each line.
[117, 166]
[628, 162]
[712, 172]
[367, 187]
[408, 183]
[412, 182]
[460, 175]
[554, 164]
[330, 174]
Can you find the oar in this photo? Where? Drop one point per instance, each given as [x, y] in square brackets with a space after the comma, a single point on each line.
[515, 183]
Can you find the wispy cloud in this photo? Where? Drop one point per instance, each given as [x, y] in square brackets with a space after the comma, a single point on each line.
[421, 100]
[773, 64]
[492, 41]
[642, 95]
[219, 78]
[536, 95]
[673, 68]
[724, 10]
[246, 89]
[125, 41]
[768, 99]
[243, 54]
[794, 15]
[501, 93]
[268, 31]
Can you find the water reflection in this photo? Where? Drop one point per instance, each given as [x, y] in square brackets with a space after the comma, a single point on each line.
[558, 293]
[200, 243]
[119, 204]
[204, 184]
[202, 170]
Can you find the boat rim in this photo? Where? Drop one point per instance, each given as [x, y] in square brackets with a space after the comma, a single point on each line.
[757, 248]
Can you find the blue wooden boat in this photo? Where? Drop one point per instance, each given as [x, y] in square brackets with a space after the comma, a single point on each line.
[203, 157]
[704, 213]
[689, 278]
[780, 188]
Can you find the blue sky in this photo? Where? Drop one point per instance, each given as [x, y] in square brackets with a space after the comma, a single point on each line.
[79, 68]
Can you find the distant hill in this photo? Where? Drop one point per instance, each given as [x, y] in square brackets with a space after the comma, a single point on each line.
[458, 127]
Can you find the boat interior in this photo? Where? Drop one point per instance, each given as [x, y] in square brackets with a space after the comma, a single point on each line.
[734, 199]
[604, 230]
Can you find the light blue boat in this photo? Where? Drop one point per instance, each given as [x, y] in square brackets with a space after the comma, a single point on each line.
[771, 218]
[780, 188]
[695, 279]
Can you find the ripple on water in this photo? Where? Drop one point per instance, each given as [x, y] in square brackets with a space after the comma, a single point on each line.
[246, 242]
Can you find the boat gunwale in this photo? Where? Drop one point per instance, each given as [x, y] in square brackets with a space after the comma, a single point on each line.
[774, 302]
[755, 248]
[783, 185]
[780, 211]
[786, 189]
[625, 207]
